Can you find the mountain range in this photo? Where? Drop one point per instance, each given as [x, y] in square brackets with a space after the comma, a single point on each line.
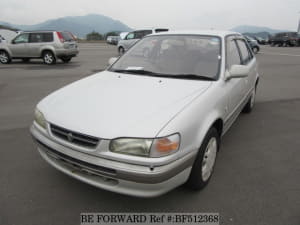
[82, 25]
[255, 29]
[78, 25]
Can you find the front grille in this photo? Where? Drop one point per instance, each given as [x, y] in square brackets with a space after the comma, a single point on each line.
[74, 137]
[82, 165]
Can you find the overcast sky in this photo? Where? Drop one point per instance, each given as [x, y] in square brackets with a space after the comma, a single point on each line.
[175, 14]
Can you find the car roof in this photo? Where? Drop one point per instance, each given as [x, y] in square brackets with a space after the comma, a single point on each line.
[220, 33]
[151, 28]
[43, 31]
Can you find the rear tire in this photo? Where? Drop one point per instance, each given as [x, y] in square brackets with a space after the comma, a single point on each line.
[121, 51]
[255, 50]
[4, 57]
[204, 163]
[49, 58]
[66, 59]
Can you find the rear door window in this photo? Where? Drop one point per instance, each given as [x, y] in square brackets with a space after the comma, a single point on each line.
[139, 34]
[40, 37]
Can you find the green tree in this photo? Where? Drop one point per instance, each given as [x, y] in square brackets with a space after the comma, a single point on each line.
[94, 36]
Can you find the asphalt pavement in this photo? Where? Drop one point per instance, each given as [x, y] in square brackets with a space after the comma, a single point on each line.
[257, 175]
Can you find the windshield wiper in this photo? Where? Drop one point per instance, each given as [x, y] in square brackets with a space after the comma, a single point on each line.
[175, 76]
[140, 72]
[192, 77]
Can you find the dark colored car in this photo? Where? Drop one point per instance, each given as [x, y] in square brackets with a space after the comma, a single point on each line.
[261, 40]
[253, 44]
[285, 39]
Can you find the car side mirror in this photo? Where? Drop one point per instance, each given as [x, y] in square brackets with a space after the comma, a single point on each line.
[112, 60]
[13, 42]
[237, 71]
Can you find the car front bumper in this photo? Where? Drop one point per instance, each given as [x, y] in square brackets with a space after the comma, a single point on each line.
[120, 177]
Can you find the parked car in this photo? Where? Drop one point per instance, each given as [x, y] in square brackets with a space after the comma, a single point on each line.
[260, 40]
[132, 37]
[253, 44]
[285, 39]
[48, 45]
[113, 40]
[123, 35]
[148, 124]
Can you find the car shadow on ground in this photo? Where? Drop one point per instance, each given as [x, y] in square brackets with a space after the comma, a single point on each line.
[31, 65]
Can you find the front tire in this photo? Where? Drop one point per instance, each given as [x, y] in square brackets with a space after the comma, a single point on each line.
[4, 57]
[204, 164]
[49, 58]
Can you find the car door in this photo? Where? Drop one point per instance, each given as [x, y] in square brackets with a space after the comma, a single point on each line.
[248, 60]
[19, 46]
[35, 43]
[130, 40]
[233, 87]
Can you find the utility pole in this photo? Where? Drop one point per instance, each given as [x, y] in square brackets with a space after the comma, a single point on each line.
[299, 24]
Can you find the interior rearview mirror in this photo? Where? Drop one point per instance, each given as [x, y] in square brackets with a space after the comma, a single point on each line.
[112, 60]
[238, 71]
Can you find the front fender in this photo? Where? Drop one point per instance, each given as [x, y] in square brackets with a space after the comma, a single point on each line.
[3, 48]
[195, 120]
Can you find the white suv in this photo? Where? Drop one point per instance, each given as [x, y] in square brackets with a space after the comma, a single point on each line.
[48, 45]
[132, 37]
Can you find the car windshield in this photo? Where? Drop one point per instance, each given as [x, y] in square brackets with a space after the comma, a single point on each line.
[174, 56]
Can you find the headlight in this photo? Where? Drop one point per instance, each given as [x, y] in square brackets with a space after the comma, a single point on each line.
[131, 146]
[146, 147]
[40, 119]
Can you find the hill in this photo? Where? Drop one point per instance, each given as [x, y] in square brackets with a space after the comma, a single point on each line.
[78, 25]
[255, 29]
[264, 35]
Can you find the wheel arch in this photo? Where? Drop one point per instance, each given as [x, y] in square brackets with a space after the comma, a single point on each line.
[48, 50]
[214, 120]
[7, 51]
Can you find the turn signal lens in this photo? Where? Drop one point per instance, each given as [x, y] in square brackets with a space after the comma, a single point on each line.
[165, 145]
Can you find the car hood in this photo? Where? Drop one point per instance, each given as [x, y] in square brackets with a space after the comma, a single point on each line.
[110, 105]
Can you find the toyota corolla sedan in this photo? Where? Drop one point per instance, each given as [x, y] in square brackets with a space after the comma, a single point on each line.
[153, 120]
